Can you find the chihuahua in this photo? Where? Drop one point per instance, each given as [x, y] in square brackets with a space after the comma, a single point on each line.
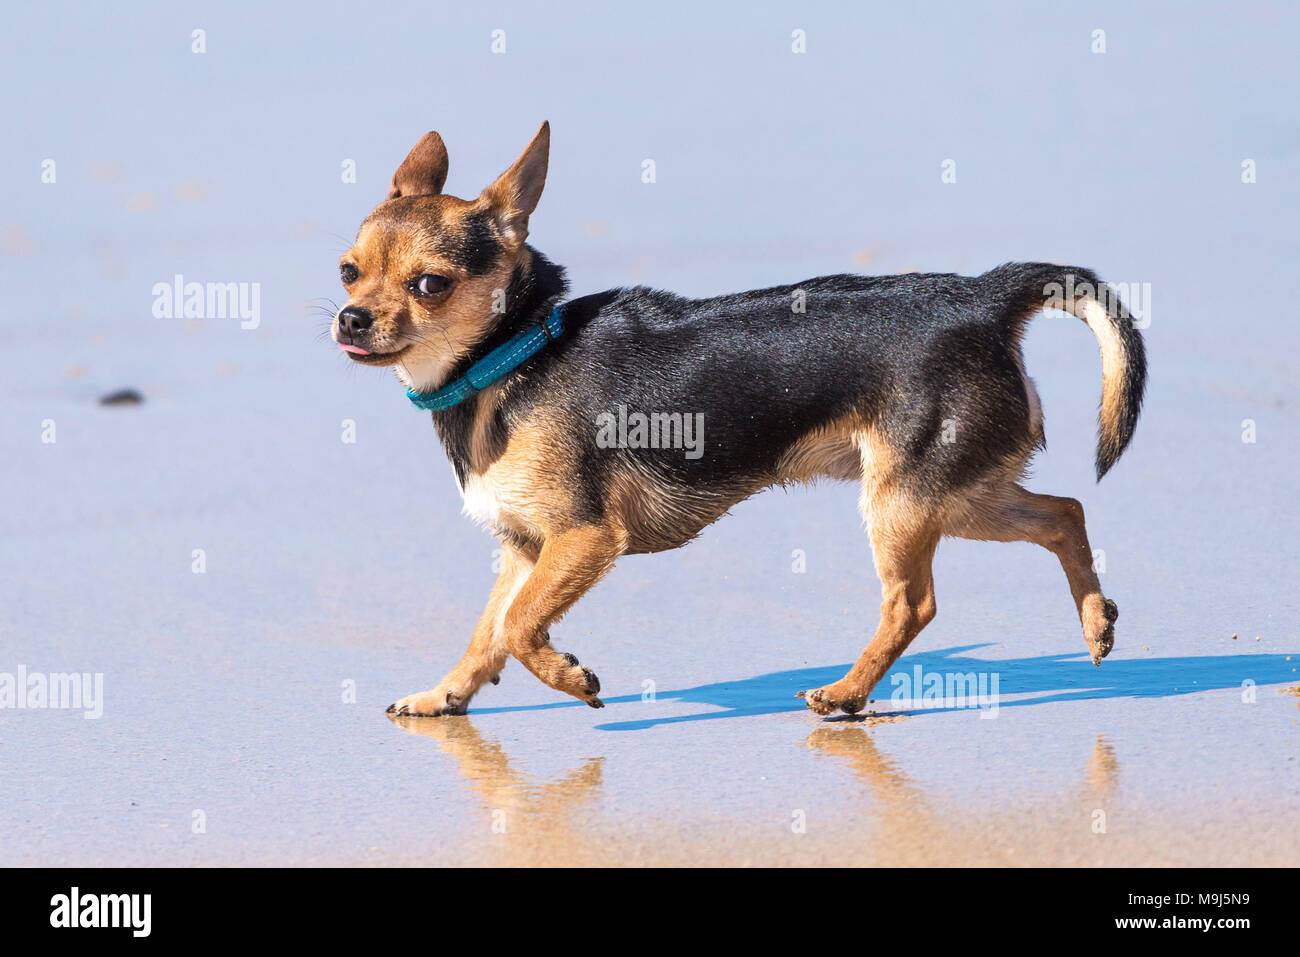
[566, 422]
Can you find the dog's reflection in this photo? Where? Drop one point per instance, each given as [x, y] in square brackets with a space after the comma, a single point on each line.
[530, 820]
[909, 828]
[542, 814]
[1102, 772]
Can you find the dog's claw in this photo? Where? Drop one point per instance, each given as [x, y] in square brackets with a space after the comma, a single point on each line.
[595, 703]
[801, 694]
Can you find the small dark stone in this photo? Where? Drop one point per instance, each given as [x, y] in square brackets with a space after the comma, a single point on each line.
[122, 397]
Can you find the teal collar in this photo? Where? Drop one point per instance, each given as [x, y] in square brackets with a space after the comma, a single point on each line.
[497, 363]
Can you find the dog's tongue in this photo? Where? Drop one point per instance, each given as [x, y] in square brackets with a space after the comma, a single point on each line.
[357, 349]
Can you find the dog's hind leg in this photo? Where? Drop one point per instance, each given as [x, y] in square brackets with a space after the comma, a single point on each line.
[487, 648]
[570, 563]
[903, 538]
[1010, 513]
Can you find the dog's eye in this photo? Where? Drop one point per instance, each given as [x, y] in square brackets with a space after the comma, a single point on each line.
[429, 285]
[348, 273]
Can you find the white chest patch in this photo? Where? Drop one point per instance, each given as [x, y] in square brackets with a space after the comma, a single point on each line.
[481, 502]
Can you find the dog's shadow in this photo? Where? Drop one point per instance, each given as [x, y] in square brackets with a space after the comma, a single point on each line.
[1049, 679]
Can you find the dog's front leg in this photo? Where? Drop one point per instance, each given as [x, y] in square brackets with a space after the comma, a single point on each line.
[568, 565]
[487, 649]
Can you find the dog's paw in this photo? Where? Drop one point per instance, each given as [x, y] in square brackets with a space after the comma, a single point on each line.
[430, 704]
[580, 682]
[591, 688]
[588, 684]
[1105, 641]
[828, 700]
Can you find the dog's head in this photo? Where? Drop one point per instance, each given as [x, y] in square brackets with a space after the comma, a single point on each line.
[428, 273]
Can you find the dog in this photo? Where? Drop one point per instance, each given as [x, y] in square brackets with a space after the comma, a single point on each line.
[911, 385]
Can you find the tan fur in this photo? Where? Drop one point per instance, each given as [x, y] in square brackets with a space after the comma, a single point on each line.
[1010, 513]
[1113, 360]
[879, 472]
[903, 543]
[436, 333]
[1112, 367]
[654, 517]
[832, 451]
[569, 564]
[488, 647]
[524, 489]
[395, 244]
[424, 171]
[530, 595]
[905, 530]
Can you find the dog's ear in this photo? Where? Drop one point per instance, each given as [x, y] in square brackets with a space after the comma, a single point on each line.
[514, 195]
[423, 171]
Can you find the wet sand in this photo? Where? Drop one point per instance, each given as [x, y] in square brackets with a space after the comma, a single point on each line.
[893, 822]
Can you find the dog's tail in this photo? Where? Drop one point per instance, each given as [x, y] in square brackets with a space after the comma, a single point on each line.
[1036, 286]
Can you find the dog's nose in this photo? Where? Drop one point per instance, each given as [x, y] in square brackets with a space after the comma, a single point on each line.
[354, 320]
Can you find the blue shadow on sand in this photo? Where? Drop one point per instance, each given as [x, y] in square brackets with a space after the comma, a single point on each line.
[1053, 678]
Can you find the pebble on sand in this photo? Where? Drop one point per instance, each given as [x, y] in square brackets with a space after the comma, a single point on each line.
[122, 397]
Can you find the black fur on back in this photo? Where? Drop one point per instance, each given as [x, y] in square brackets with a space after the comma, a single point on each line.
[912, 354]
